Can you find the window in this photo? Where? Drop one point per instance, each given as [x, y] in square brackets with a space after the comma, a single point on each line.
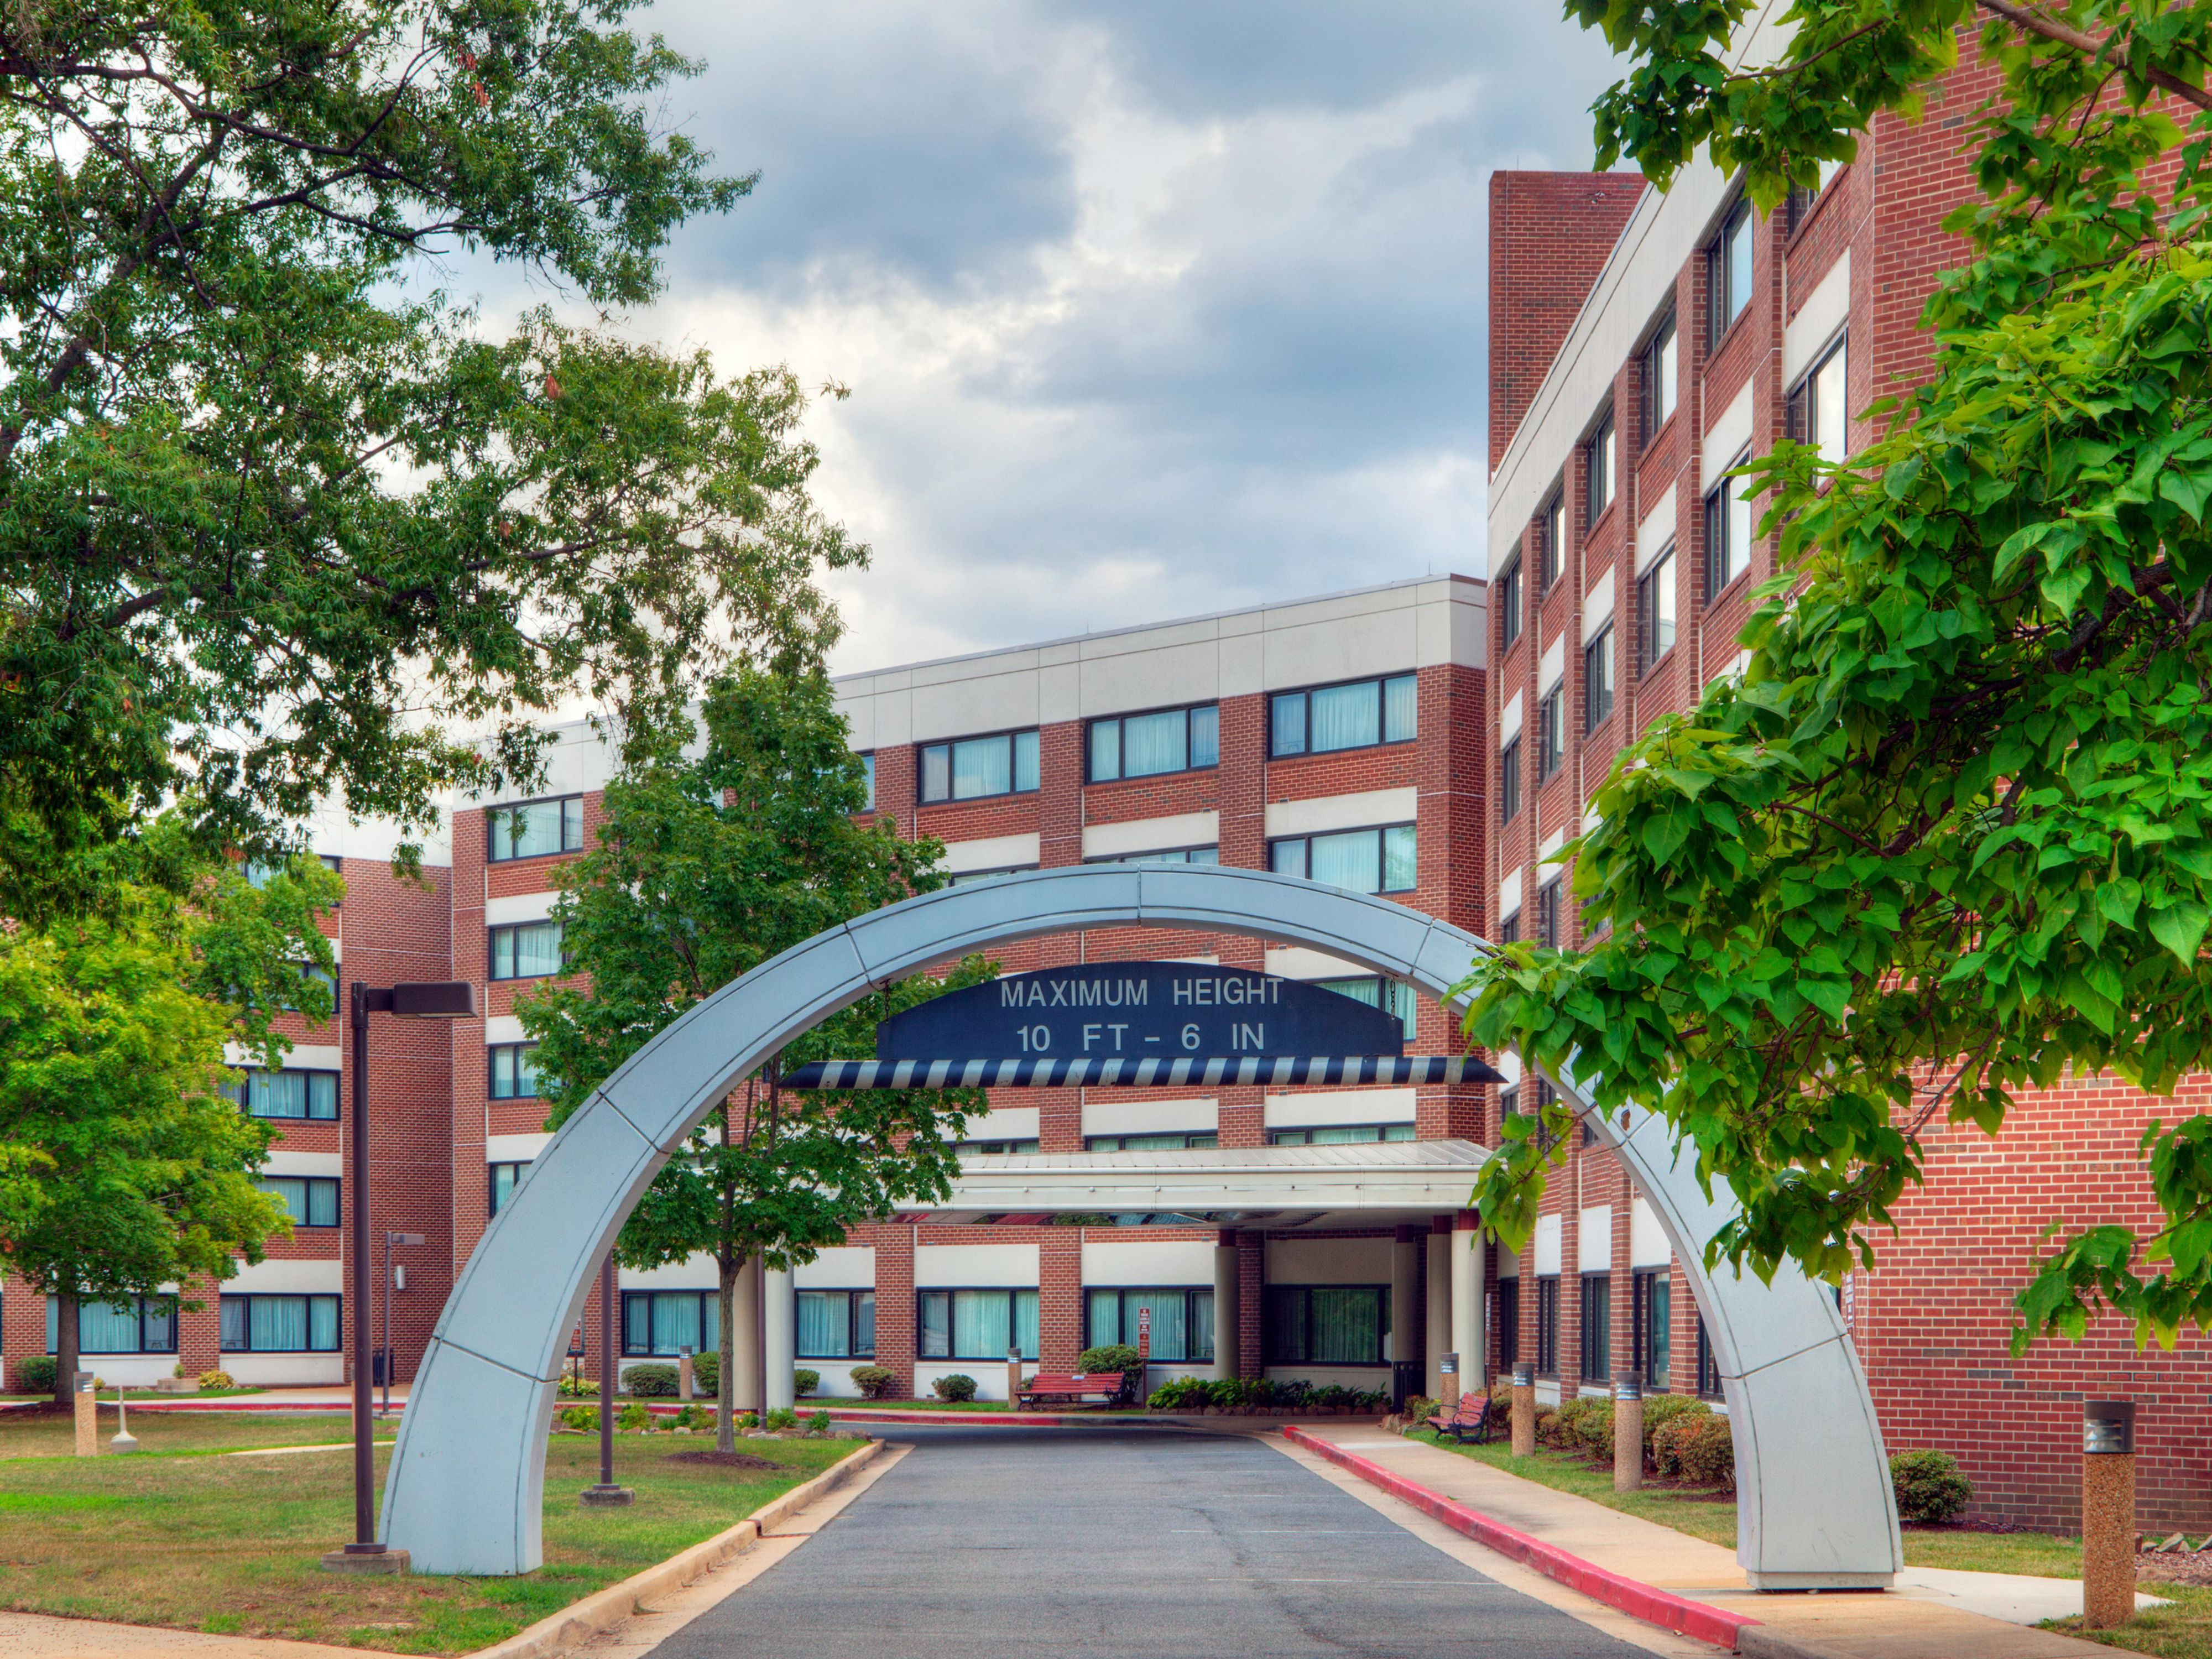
[505, 1177]
[1377, 992]
[1728, 268]
[1547, 914]
[669, 1321]
[513, 1071]
[1328, 717]
[1172, 856]
[1598, 453]
[1653, 1305]
[1365, 860]
[1554, 538]
[976, 1324]
[1803, 198]
[1728, 533]
[1325, 1324]
[1510, 929]
[258, 871]
[1341, 1134]
[1509, 606]
[1655, 611]
[1709, 1364]
[1597, 680]
[975, 767]
[309, 971]
[288, 1093]
[1507, 1322]
[1508, 782]
[868, 781]
[1552, 735]
[138, 1324]
[1146, 745]
[526, 950]
[310, 1200]
[963, 877]
[1818, 410]
[1178, 1140]
[279, 1324]
[1597, 1328]
[1182, 1321]
[534, 829]
[991, 1148]
[1658, 379]
[1547, 1324]
[837, 1324]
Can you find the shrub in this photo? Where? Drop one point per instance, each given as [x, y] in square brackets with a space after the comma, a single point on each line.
[34, 1375]
[1548, 1433]
[694, 1416]
[804, 1382]
[1586, 1425]
[1112, 1357]
[818, 1423]
[576, 1386]
[874, 1381]
[706, 1376]
[959, 1386]
[650, 1382]
[217, 1379]
[1661, 1409]
[1931, 1488]
[635, 1417]
[779, 1419]
[748, 1420]
[1180, 1394]
[586, 1417]
[1697, 1447]
[1420, 1409]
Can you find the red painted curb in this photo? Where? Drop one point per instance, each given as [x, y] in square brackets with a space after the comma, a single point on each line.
[1632, 1596]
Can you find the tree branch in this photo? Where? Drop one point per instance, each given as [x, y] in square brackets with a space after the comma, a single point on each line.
[2030, 21]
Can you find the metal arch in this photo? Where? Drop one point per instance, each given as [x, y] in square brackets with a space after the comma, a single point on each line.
[466, 1482]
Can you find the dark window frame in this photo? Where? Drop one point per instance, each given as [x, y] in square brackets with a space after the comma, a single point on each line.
[1271, 1331]
[1553, 517]
[1594, 1335]
[1709, 1367]
[1603, 446]
[1598, 679]
[1509, 1322]
[1509, 601]
[1547, 1324]
[1125, 1330]
[1163, 855]
[491, 1072]
[1385, 740]
[1653, 1338]
[1013, 768]
[520, 1165]
[1008, 1146]
[491, 950]
[851, 1295]
[1189, 711]
[1382, 857]
[1649, 586]
[1009, 1291]
[562, 851]
[1722, 572]
[707, 1299]
[1301, 1134]
[248, 1298]
[1664, 338]
[246, 1086]
[333, 1184]
[1551, 733]
[1510, 929]
[1547, 913]
[1194, 1140]
[1392, 996]
[140, 1302]
[1800, 413]
[868, 779]
[1509, 780]
[1726, 308]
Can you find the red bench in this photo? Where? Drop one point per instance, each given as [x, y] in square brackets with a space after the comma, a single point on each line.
[1075, 1388]
[1474, 1415]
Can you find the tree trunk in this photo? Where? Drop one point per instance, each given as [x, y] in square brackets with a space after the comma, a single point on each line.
[65, 1353]
[726, 1385]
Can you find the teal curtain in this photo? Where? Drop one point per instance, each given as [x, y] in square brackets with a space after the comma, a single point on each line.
[982, 1324]
[935, 1338]
[322, 1323]
[277, 1324]
[1350, 860]
[1105, 1318]
[981, 766]
[1171, 1342]
[1401, 863]
[824, 1324]
[1152, 743]
[1401, 702]
[1347, 1326]
[1205, 735]
[1025, 1323]
[290, 1191]
[864, 1322]
[1201, 1327]
[1347, 716]
[1105, 750]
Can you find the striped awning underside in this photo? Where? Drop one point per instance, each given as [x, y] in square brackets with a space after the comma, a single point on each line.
[1153, 1073]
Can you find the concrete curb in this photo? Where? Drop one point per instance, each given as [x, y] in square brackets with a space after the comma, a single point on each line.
[1763, 1644]
[1632, 1596]
[579, 1622]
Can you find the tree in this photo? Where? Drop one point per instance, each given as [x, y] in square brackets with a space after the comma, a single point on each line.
[1947, 836]
[123, 1166]
[704, 868]
[276, 517]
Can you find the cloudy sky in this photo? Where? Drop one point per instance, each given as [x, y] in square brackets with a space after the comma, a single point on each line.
[1148, 307]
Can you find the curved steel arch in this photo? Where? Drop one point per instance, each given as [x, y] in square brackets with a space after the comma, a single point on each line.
[466, 1482]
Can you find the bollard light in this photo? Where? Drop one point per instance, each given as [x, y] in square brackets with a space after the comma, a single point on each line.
[2108, 1427]
[1524, 1373]
[1627, 1433]
[2108, 1512]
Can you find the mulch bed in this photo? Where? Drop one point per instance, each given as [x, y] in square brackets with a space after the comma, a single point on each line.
[722, 1460]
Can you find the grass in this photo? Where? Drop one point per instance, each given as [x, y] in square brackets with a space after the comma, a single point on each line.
[179, 1537]
[2183, 1631]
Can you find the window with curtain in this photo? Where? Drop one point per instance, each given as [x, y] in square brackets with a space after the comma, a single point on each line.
[1655, 611]
[1182, 1320]
[991, 1148]
[1508, 782]
[514, 1070]
[1599, 468]
[1818, 408]
[1597, 680]
[1728, 523]
[1509, 601]
[1597, 1355]
[1147, 745]
[526, 950]
[1554, 542]
[666, 1322]
[1358, 715]
[138, 1324]
[1652, 1304]
[1380, 860]
[505, 1177]
[287, 1094]
[975, 768]
[1325, 1324]
[1339, 1134]
[1507, 1323]
[1658, 378]
[310, 1200]
[868, 782]
[975, 1324]
[1547, 1324]
[1176, 1140]
[964, 877]
[1392, 995]
[533, 828]
[1551, 734]
[1728, 268]
[253, 1324]
[837, 1324]
[1170, 855]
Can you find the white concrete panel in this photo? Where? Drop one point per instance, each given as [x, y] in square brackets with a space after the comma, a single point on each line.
[1549, 845]
[288, 1277]
[1325, 1106]
[697, 1272]
[1509, 893]
[1003, 1123]
[1244, 663]
[1329, 1260]
[1159, 678]
[1509, 1066]
[1354, 812]
[515, 1149]
[1597, 604]
[1594, 1240]
[1059, 692]
[1553, 667]
[836, 1381]
[1825, 309]
[1658, 528]
[976, 1265]
[299, 1057]
[1725, 439]
[991, 853]
[1339, 640]
[1137, 1117]
[1549, 1234]
[1468, 642]
[840, 1268]
[519, 907]
[501, 1027]
[1173, 1262]
[1106, 840]
[329, 829]
[1295, 962]
[1647, 1239]
[276, 1369]
[1509, 722]
[966, 707]
[281, 1162]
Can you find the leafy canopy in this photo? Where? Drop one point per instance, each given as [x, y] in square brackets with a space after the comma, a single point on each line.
[1947, 836]
[275, 515]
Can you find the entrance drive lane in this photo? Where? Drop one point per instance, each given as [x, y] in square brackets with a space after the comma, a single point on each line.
[1120, 1544]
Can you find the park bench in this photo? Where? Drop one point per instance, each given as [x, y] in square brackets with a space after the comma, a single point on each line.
[1074, 1388]
[1474, 1416]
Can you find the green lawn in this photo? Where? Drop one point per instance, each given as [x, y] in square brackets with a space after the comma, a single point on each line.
[177, 1536]
[2183, 1631]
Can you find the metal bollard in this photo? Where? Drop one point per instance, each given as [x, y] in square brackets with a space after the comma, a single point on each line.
[1627, 1434]
[2108, 1512]
[1524, 1409]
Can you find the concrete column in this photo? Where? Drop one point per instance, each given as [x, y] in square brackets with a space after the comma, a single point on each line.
[1228, 1306]
[1466, 1303]
[1439, 1310]
[1408, 1319]
[745, 1339]
[779, 1338]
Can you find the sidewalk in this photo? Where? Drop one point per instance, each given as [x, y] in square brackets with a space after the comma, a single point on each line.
[1931, 1614]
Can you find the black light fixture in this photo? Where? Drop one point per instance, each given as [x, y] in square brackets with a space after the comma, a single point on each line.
[417, 999]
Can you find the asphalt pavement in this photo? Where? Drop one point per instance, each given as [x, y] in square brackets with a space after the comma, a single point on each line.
[1120, 1544]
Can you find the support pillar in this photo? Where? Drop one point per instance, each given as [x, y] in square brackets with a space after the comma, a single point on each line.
[1228, 1306]
[1466, 1303]
[1408, 1319]
[745, 1339]
[1251, 1300]
[1439, 1309]
[779, 1338]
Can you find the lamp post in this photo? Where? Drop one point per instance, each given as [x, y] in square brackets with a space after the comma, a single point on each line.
[384, 1370]
[417, 999]
[605, 1494]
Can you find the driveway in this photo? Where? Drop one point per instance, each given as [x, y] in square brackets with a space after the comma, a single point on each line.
[1120, 1544]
